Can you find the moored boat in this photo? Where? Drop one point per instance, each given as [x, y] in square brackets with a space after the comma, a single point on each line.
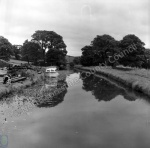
[52, 71]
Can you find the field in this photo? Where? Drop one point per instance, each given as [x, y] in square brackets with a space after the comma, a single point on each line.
[12, 61]
[17, 62]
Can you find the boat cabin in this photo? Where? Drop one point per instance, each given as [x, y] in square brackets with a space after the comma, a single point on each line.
[51, 69]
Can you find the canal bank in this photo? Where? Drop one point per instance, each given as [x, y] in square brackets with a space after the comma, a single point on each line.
[137, 79]
[6, 89]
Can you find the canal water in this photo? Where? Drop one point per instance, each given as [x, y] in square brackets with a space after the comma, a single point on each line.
[91, 112]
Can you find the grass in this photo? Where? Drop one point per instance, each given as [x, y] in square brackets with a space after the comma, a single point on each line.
[17, 62]
[33, 78]
[4, 63]
[137, 79]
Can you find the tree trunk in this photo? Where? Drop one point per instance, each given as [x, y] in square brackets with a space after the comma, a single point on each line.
[28, 59]
[43, 53]
[44, 56]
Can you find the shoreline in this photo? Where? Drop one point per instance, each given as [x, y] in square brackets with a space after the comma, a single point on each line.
[6, 90]
[137, 80]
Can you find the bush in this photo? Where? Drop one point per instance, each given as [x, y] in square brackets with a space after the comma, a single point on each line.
[3, 63]
[71, 65]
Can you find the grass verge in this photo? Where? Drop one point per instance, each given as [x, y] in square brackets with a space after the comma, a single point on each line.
[6, 90]
[136, 79]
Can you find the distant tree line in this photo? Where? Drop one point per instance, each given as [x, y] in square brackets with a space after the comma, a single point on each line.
[45, 48]
[105, 50]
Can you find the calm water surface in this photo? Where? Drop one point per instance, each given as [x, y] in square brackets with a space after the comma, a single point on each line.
[91, 113]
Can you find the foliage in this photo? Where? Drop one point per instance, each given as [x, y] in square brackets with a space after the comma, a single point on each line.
[56, 57]
[104, 46]
[76, 60]
[147, 55]
[16, 52]
[137, 56]
[71, 65]
[49, 40]
[5, 49]
[87, 58]
[99, 51]
[3, 63]
[31, 51]
[130, 51]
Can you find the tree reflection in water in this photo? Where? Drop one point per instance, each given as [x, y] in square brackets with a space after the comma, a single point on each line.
[105, 90]
[29, 98]
[46, 100]
[42, 94]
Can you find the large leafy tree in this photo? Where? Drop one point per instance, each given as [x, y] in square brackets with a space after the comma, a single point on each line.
[104, 46]
[5, 49]
[56, 57]
[87, 58]
[101, 48]
[49, 40]
[31, 51]
[132, 49]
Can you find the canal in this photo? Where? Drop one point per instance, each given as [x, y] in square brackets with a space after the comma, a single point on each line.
[91, 112]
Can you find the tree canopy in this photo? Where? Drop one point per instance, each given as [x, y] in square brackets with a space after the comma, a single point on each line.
[99, 51]
[31, 51]
[49, 40]
[104, 46]
[136, 57]
[87, 58]
[104, 49]
[147, 55]
[77, 60]
[5, 49]
[56, 57]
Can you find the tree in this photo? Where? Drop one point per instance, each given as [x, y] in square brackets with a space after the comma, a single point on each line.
[49, 40]
[16, 52]
[56, 57]
[133, 49]
[104, 46]
[71, 65]
[76, 60]
[147, 55]
[101, 48]
[31, 51]
[87, 58]
[5, 49]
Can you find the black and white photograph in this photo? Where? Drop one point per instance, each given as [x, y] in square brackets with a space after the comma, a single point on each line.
[74, 74]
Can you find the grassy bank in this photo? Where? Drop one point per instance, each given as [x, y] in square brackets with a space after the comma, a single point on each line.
[136, 79]
[6, 89]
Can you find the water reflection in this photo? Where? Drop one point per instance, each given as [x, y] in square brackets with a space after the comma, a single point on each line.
[38, 95]
[42, 94]
[52, 83]
[51, 79]
[105, 90]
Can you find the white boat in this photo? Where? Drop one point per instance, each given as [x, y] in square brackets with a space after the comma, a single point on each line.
[52, 71]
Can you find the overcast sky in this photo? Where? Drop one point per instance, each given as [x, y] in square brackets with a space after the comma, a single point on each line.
[78, 21]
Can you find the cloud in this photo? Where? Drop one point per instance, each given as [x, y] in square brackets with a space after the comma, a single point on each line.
[77, 21]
